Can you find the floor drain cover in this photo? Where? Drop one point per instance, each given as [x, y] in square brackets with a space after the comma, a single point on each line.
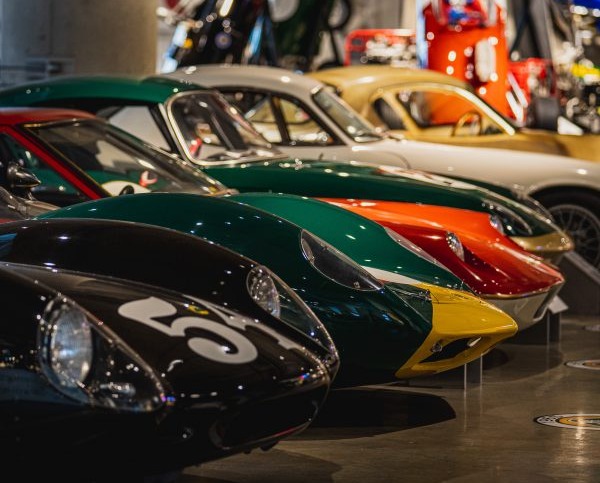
[571, 421]
[590, 364]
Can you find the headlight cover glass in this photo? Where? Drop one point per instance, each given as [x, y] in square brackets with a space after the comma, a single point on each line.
[410, 246]
[277, 298]
[86, 361]
[335, 265]
[263, 291]
[512, 223]
[455, 245]
[496, 223]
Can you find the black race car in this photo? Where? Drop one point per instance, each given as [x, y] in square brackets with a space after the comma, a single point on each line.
[97, 369]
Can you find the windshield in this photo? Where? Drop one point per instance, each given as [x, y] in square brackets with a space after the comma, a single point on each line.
[121, 163]
[359, 129]
[436, 106]
[212, 129]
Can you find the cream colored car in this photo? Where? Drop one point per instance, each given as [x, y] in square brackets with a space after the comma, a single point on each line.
[426, 105]
[305, 119]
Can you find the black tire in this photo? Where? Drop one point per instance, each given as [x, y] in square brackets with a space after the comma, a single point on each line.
[543, 113]
[579, 215]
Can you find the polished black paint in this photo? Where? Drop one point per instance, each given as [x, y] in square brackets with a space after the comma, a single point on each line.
[212, 408]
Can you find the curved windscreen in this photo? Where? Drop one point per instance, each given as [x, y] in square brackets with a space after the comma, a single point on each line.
[119, 162]
[211, 129]
[347, 119]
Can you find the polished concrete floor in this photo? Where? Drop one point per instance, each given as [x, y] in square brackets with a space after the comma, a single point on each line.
[435, 430]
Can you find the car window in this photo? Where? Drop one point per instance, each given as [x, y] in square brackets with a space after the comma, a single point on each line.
[138, 120]
[208, 125]
[301, 127]
[355, 126]
[119, 162]
[53, 188]
[388, 116]
[257, 109]
[442, 108]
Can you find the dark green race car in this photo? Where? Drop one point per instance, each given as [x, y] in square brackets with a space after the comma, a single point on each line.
[200, 126]
[381, 330]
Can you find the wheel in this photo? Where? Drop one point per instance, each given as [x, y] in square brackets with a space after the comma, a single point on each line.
[579, 215]
[543, 113]
[473, 119]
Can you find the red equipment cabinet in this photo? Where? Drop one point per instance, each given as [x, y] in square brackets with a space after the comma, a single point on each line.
[466, 39]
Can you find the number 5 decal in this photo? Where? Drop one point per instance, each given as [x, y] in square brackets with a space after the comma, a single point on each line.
[147, 310]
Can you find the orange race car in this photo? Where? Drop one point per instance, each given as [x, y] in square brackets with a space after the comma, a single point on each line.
[471, 245]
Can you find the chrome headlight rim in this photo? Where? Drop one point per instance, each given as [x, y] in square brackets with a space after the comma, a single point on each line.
[95, 386]
[48, 333]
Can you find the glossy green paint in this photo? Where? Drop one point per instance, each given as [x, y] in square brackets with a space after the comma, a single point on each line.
[150, 90]
[306, 178]
[374, 331]
[339, 180]
[363, 240]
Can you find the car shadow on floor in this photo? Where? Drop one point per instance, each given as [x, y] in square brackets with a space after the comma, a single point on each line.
[273, 466]
[368, 411]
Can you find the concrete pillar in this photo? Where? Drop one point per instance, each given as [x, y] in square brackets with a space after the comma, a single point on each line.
[39, 38]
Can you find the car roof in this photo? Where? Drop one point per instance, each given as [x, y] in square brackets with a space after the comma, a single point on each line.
[21, 115]
[153, 89]
[272, 78]
[374, 76]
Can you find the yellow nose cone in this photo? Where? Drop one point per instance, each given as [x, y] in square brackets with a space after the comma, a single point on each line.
[464, 327]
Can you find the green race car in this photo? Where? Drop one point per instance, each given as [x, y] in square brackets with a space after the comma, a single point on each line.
[201, 127]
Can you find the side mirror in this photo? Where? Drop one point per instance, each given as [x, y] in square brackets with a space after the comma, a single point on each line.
[21, 178]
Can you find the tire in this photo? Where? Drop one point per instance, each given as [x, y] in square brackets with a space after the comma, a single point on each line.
[579, 215]
[543, 113]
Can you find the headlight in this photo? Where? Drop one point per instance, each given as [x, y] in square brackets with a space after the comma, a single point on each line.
[496, 222]
[86, 361]
[274, 296]
[455, 245]
[263, 291]
[410, 246]
[335, 265]
[70, 345]
[512, 224]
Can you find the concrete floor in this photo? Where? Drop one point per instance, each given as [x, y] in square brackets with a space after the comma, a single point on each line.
[434, 430]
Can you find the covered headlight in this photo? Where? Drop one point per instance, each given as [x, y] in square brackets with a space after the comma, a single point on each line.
[70, 346]
[336, 266]
[496, 222]
[512, 223]
[86, 361]
[274, 296]
[410, 246]
[455, 245]
[263, 291]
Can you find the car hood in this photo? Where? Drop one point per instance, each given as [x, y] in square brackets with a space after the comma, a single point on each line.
[168, 259]
[146, 318]
[362, 181]
[366, 242]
